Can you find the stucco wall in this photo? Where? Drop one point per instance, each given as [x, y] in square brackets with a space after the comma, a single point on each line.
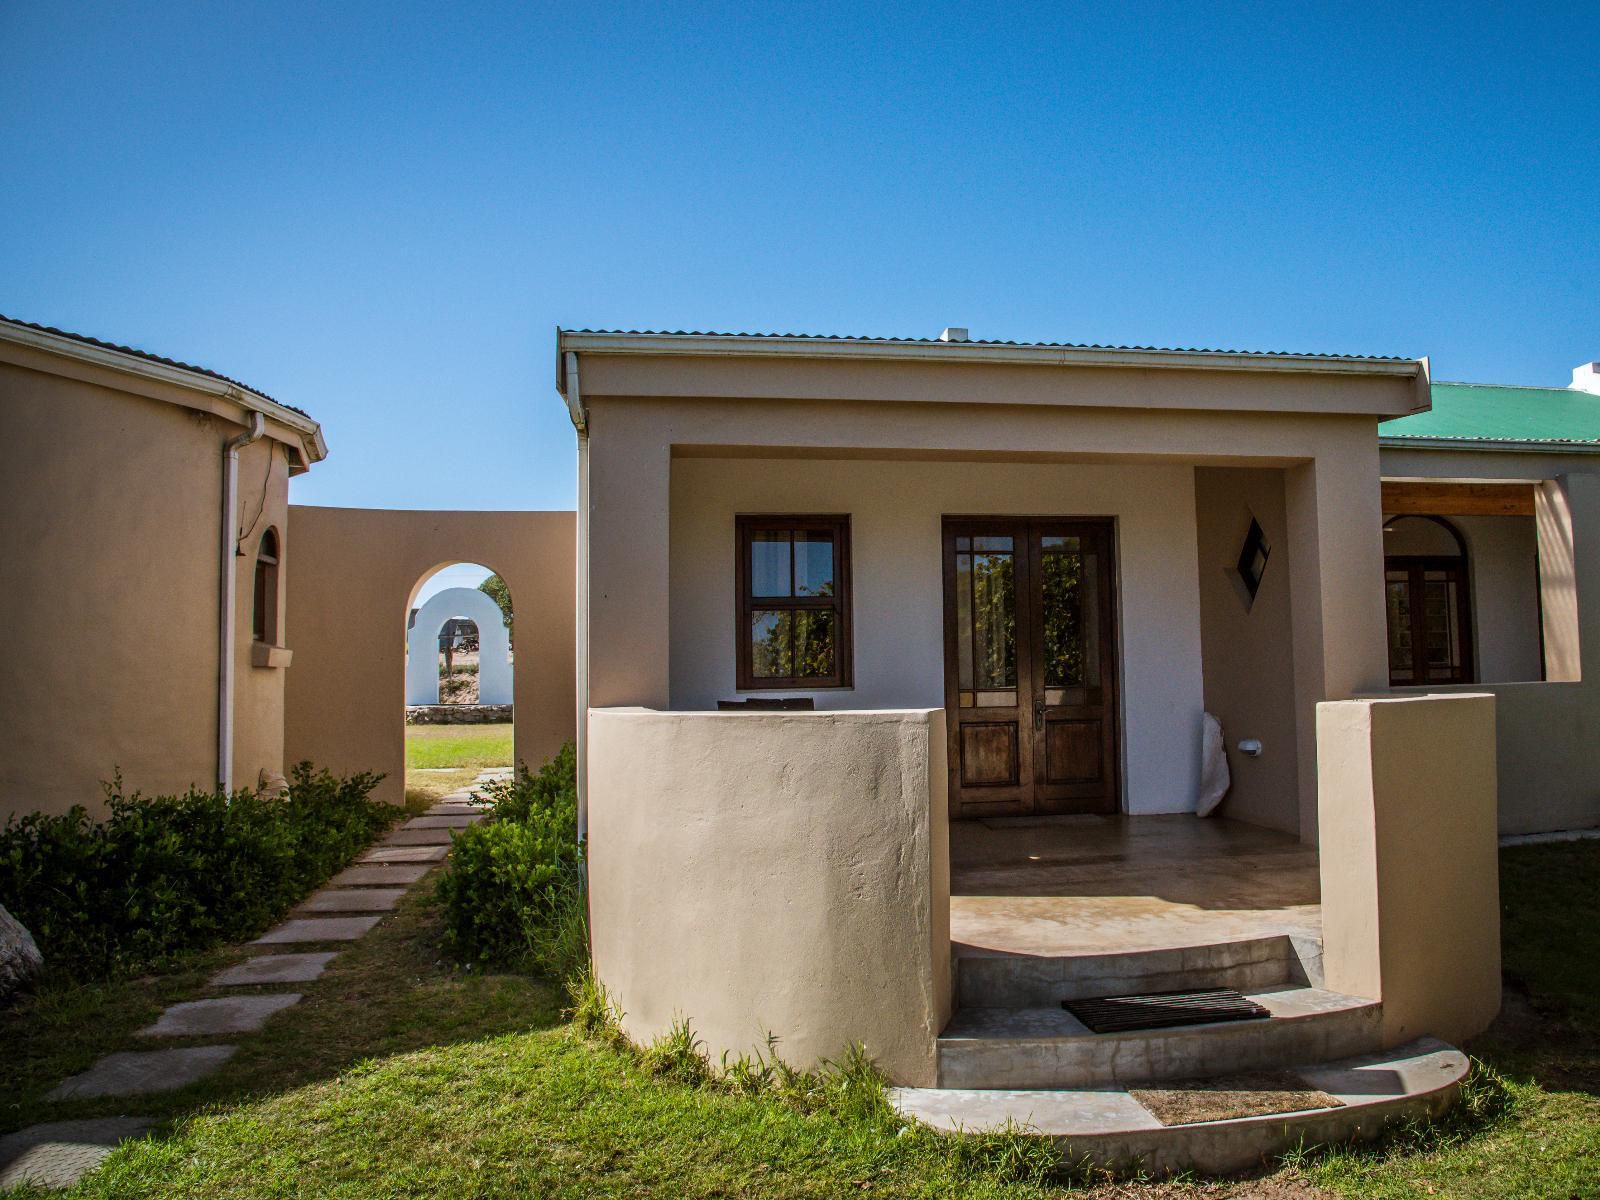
[896, 511]
[1331, 490]
[1545, 732]
[731, 889]
[350, 584]
[1502, 564]
[110, 505]
[1410, 873]
[1248, 647]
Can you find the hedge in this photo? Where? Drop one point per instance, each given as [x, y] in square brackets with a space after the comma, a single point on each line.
[513, 893]
[170, 874]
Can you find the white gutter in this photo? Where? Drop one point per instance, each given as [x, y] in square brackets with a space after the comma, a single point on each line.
[131, 364]
[1487, 445]
[228, 591]
[760, 345]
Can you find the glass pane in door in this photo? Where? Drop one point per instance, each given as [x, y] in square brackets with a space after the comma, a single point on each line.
[986, 622]
[1442, 645]
[1071, 597]
[1397, 593]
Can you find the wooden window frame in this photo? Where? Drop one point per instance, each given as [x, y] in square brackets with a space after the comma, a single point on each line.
[264, 592]
[745, 604]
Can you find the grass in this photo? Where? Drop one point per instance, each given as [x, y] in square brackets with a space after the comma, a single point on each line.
[401, 1075]
[1541, 1136]
[432, 747]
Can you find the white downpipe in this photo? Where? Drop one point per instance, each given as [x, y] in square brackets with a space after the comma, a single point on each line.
[228, 590]
[574, 399]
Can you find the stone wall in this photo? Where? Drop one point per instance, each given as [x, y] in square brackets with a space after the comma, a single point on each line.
[457, 714]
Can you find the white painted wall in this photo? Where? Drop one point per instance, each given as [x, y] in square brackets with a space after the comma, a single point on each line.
[896, 509]
[494, 646]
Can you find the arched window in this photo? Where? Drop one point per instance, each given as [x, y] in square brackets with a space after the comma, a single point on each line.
[1426, 590]
[265, 621]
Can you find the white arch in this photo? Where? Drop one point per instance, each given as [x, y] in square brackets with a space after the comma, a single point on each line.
[494, 646]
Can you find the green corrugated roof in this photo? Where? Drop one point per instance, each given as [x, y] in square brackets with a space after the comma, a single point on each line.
[1483, 412]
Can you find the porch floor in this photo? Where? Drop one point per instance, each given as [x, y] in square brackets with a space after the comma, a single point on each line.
[1097, 885]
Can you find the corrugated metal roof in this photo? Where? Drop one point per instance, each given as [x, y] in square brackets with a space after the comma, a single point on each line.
[1482, 412]
[145, 354]
[927, 341]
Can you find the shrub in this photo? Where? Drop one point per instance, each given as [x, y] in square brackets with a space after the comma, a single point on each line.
[169, 874]
[513, 894]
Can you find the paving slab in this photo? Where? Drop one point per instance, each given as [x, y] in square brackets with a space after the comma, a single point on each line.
[418, 837]
[134, 1072]
[59, 1153]
[380, 875]
[460, 821]
[317, 929]
[225, 1014]
[274, 968]
[404, 854]
[352, 900]
[455, 808]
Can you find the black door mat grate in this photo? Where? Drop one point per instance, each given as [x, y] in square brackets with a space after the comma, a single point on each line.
[1164, 1010]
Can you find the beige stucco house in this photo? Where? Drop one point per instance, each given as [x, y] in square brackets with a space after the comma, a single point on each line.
[894, 661]
[144, 552]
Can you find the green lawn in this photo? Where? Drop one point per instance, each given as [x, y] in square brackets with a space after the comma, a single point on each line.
[437, 746]
[402, 1076]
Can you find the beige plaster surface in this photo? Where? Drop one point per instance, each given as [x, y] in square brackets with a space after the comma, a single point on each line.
[897, 564]
[1409, 861]
[110, 513]
[1549, 775]
[780, 873]
[638, 439]
[1110, 885]
[1248, 645]
[354, 575]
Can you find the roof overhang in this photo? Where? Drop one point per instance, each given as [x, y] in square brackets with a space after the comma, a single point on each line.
[135, 367]
[1487, 445]
[792, 348]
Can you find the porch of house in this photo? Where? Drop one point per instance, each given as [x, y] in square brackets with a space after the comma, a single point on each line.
[1084, 885]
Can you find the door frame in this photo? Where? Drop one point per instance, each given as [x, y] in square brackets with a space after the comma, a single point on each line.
[1029, 527]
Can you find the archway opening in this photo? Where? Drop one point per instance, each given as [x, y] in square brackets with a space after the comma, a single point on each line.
[459, 716]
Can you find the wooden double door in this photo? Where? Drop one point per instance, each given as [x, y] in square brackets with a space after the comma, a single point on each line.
[1030, 666]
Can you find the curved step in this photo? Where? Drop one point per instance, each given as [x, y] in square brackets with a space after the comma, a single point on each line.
[996, 979]
[1014, 1048]
[1110, 1129]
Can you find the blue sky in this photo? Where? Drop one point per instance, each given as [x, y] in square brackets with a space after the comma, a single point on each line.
[380, 213]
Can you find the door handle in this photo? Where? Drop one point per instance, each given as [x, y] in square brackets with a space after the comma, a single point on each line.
[1038, 713]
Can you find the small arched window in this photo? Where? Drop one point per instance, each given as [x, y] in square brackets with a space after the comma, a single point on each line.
[265, 623]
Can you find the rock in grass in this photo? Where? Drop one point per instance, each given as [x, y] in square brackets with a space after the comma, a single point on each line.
[20, 960]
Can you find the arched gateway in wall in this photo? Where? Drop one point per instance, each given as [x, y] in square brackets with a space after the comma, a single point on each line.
[494, 645]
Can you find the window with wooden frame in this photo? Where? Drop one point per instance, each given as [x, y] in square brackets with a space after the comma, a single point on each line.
[793, 598]
[264, 623]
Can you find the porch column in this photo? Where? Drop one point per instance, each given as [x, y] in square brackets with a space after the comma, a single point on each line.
[1334, 510]
[1409, 860]
[627, 541]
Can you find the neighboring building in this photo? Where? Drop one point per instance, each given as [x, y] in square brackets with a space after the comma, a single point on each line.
[114, 505]
[1009, 581]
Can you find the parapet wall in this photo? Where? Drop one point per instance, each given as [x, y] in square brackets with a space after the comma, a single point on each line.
[774, 873]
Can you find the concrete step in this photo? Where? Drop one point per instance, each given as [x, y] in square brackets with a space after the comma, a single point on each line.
[1110, 1128]
[994, 979]
[1050, 1048]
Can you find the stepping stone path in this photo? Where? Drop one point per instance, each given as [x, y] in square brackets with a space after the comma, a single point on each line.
[57, 1154]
